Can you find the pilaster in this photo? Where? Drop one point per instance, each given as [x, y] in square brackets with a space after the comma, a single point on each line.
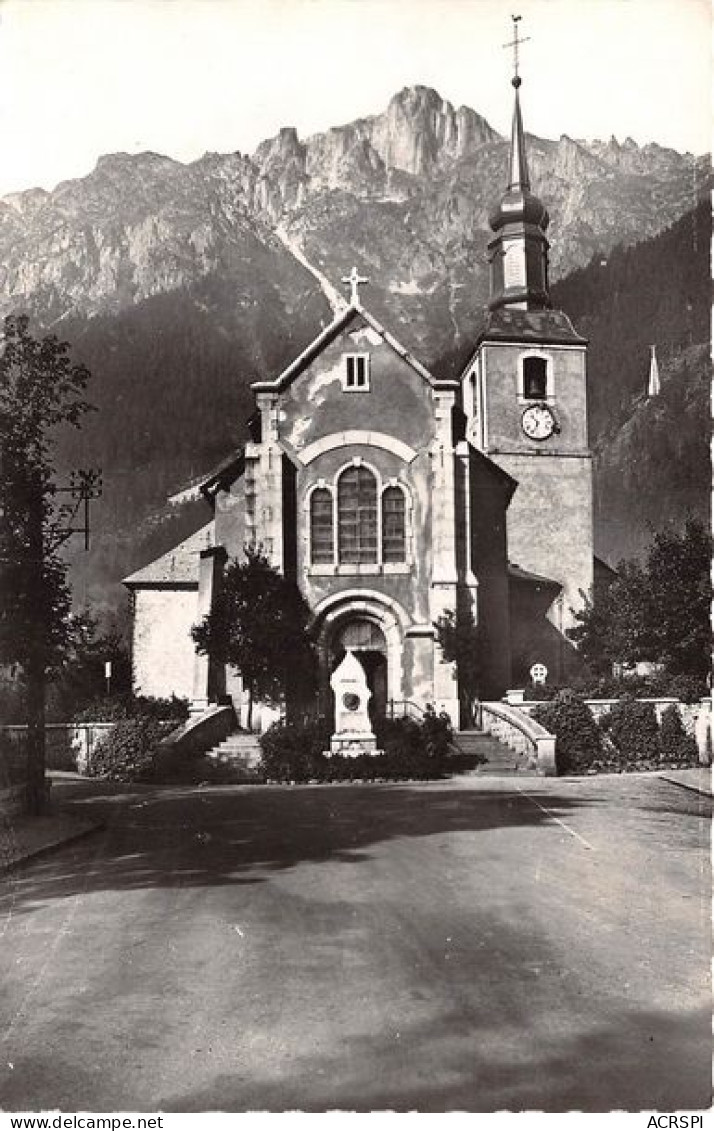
[212, 561]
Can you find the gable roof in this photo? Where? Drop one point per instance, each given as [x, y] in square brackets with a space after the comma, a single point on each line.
[178, 567]
[328, 335]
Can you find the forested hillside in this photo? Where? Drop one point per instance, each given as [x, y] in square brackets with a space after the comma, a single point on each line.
[651, 455]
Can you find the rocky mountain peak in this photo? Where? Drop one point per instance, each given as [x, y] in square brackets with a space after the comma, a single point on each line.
[420, 131]
[285, 146]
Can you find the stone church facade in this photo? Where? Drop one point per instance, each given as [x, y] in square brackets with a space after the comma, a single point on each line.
[391, 496]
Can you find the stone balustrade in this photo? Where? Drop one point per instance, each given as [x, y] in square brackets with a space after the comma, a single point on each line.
[522, 734]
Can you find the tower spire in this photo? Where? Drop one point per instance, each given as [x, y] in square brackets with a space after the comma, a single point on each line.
[518, 254]
[518, 169]
[518, 176]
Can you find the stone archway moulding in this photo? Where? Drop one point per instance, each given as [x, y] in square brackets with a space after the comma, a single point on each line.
[356, 436]
[383, 611]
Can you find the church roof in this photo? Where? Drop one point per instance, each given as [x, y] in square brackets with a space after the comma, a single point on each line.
[508, 483]
[179, 566]
[519, 574]
[543, 326]
[328, 335]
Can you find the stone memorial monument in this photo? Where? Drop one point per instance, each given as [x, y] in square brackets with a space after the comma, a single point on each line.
[353, 728]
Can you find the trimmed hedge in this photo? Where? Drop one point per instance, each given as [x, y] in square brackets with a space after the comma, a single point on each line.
[112, 708]
[687, 688]
[632, 728]
[578, 740]
[411, 750]
[127, 754]
[675, 745]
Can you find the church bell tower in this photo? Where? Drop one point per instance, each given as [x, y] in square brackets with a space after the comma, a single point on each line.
[524, 395]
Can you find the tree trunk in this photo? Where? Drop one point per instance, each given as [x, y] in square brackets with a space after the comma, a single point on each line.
[249, 720]
[36, 790]
[36, 672]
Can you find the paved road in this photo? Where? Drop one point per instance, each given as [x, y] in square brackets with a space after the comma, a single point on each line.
[474, 944]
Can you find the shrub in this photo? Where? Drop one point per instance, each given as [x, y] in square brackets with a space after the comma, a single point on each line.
[436, 732]
[632, 728]
[400, 737]
[13, 761]
[112, 708]
[578, 742]
[127, 754]
[687, 688]
[294, 751]
[675, 745]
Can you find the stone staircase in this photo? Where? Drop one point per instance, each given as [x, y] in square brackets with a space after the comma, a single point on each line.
[481, 753]
[473, 751]
[240, 751]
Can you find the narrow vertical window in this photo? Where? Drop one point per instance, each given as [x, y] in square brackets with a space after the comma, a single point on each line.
[357, 515]
[356, 373]
[394, 534]
[322, 535]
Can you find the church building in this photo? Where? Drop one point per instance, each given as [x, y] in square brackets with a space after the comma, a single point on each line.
[392, 496]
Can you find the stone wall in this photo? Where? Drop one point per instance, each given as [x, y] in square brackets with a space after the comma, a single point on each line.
[163, 655]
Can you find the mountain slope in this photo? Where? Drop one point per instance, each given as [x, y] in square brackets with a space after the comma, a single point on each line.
[180, 284]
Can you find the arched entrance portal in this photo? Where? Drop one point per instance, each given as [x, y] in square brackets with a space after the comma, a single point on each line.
[366, 639]
[372, 624]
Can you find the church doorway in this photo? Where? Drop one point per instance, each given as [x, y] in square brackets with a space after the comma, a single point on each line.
[366, 639]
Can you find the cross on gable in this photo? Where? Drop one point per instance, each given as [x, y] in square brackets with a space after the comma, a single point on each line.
[354, 280]
[515, 44]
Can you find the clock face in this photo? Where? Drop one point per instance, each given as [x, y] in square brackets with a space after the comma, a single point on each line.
[538, 422]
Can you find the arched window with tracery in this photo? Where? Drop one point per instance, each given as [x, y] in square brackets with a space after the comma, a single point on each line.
[357, 515]
[322, 535]
[394, 529]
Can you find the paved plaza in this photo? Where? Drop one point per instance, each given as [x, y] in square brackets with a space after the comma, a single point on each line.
[474, 944]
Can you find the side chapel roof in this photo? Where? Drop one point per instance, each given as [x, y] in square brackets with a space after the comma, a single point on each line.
[178, 567]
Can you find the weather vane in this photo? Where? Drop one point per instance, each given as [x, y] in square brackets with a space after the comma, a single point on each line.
[354, 280]
[515, 44]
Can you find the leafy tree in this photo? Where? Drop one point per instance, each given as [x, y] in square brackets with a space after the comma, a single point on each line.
[79, 678]
[40, 390]
[678, 598]
[458, 638]
[259, 625]
[658, 612]
[613, 626]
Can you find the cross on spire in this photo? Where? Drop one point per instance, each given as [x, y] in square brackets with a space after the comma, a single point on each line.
[515, 44]
[354, 280]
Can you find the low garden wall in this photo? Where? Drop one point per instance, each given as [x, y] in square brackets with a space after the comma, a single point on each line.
[696, 717]
[68, 746]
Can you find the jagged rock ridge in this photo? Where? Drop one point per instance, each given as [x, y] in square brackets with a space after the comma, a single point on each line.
[180, 284]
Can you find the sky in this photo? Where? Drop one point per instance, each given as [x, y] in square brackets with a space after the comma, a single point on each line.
[79, 78]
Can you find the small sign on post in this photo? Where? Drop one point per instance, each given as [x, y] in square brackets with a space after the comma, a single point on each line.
[539, 673]
[108, 675]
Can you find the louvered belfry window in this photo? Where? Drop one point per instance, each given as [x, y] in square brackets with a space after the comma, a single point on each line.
[322, 538]
[357, 515]
[394, 535]
[535, 378]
